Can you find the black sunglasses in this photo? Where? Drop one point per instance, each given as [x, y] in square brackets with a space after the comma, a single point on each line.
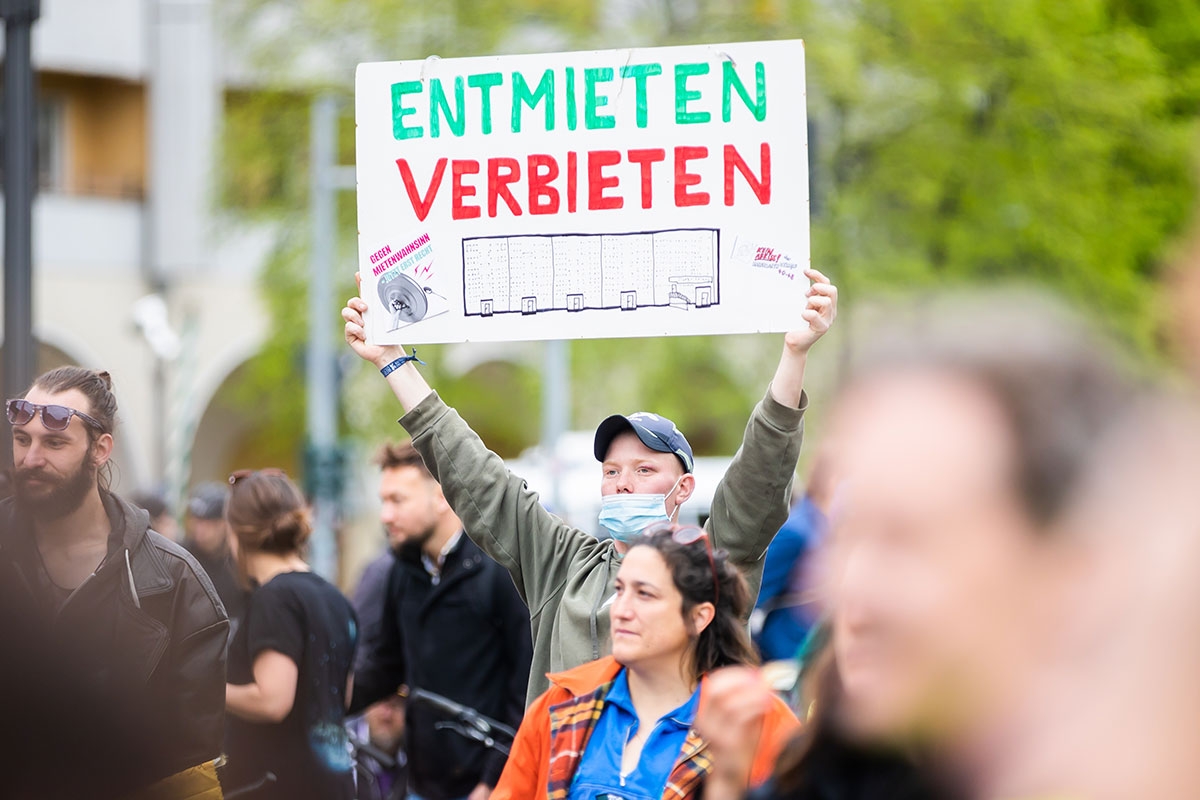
[690, 534]
[54, 417]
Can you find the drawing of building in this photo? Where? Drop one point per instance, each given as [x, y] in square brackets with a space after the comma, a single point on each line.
[578, 272]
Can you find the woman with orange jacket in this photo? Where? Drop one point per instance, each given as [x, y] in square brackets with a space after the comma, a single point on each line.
[620, 728]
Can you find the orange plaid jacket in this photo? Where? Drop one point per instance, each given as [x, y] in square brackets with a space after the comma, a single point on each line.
[556, 728]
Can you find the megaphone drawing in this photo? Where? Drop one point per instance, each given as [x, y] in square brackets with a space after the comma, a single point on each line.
[408, 302]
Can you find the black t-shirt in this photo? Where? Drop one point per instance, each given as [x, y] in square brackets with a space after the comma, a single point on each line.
[305, 618]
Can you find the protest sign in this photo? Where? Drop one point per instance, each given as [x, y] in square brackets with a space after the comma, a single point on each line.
[648, 192]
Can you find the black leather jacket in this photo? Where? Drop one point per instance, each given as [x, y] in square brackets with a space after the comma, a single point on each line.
[128, 674]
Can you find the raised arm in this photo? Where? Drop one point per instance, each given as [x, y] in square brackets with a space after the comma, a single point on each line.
[407, 383]
[751, 502]
[497, 510]
[819, 312]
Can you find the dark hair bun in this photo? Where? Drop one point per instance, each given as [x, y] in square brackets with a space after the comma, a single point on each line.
[267, 513]
[289, 531]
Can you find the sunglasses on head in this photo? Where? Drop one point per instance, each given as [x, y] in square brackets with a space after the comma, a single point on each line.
[690, 534]
[236, 477]
[54, 417]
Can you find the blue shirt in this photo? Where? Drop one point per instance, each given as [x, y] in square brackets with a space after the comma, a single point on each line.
[785, 626]
[599, 771]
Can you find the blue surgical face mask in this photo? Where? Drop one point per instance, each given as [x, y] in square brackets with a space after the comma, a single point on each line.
[625, 516]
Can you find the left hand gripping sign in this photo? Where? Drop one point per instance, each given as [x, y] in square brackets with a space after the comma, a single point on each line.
[610, 193]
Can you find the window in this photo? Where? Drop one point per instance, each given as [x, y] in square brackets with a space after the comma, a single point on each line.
[49, 147]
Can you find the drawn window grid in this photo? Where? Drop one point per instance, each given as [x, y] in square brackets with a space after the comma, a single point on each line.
[677, 267]
[628, 261]
[531, 267]
[578, 268]
[485, 275]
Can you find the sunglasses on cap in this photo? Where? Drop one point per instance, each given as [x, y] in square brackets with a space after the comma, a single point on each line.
[690, 534]
[242, 474]
[54, 417]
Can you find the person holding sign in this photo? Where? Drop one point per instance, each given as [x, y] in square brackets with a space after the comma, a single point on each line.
[565, 575]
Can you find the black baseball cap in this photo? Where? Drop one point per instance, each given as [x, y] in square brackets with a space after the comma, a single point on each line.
[208, 501]
[656, 432]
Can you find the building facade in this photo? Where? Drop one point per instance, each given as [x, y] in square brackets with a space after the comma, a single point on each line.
[136, 270]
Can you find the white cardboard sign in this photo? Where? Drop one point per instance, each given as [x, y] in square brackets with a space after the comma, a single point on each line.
[647, 192]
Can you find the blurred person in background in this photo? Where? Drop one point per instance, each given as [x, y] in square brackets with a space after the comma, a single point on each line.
[382, 727]
[961, 440]
[621, 726]
[161, 519]
[453, 624]
[382, 722]
[117, 632]
[565, 575]
[368, 600]
[370, 595]
[290, 662]
[206, 536]
[786, 610]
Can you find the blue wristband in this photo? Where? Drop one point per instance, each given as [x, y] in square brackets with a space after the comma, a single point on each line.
[400, 362]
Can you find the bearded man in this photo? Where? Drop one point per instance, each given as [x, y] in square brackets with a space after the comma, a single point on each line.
[451, 623]
[114, 636]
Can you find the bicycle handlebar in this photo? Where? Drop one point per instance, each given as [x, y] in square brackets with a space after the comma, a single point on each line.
[471, 723]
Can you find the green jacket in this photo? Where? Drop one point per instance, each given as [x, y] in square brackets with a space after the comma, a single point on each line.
[565, 575]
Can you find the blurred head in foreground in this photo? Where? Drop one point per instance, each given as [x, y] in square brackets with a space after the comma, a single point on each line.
[1116, 713]
[960, 437]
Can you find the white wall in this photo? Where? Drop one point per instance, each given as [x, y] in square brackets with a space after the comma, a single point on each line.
[99, 37]
[183, 124]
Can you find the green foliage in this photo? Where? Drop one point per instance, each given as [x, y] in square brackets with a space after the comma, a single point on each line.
[283, 34]
[970, 142]
[264, 150]
[1174, 28]
[279, 415]
[692, 380]
[502, 400]
[962, 141]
